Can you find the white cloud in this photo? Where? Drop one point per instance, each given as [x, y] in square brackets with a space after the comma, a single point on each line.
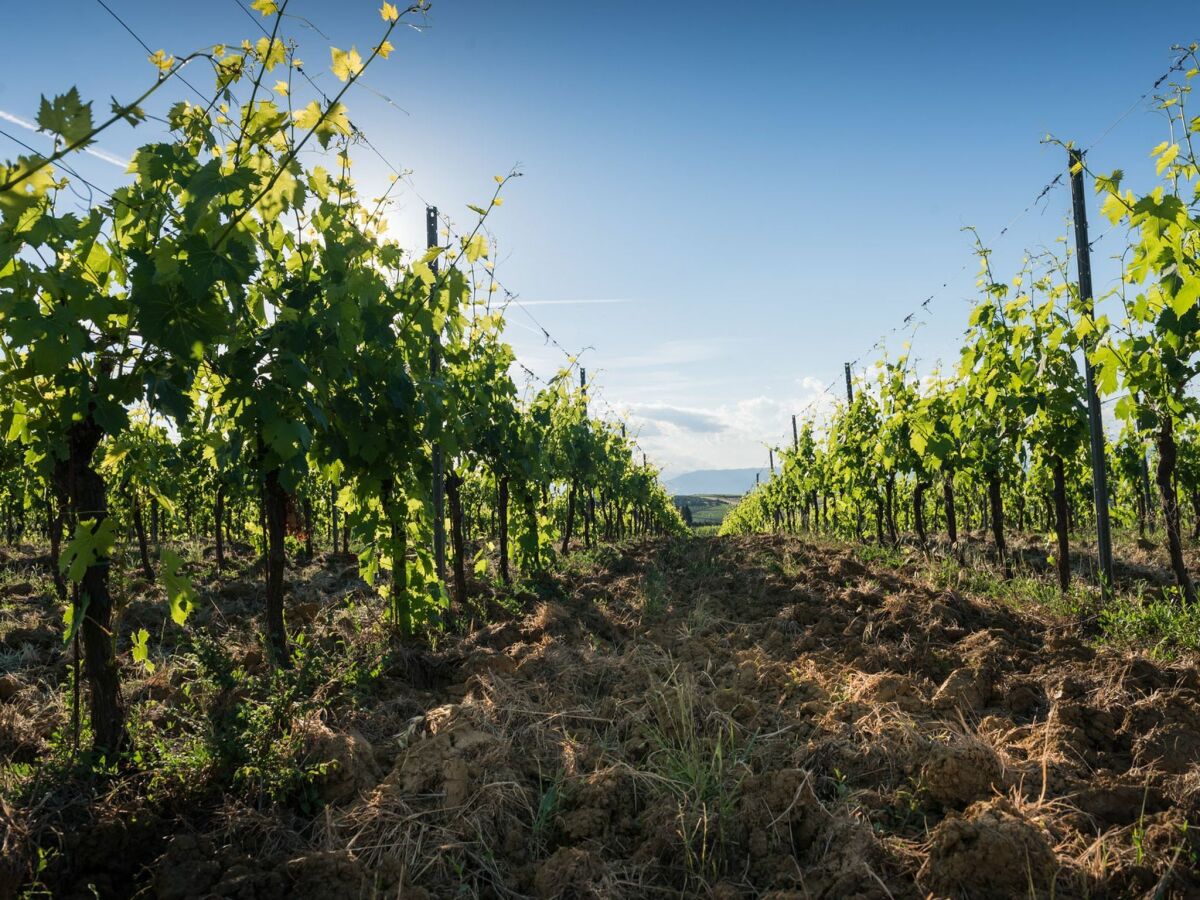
[654, 391]
[694, 420]
[734, 434]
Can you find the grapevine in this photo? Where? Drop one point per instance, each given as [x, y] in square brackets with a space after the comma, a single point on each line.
[231, 337]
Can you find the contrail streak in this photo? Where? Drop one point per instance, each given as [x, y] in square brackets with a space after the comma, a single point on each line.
[104, 155]
[568, 302]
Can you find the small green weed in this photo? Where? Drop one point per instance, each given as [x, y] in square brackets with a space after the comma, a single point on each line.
[653, 595]
[253, 743]
[545, 819]
[1167, 625]
[699, 764]
[881, 554]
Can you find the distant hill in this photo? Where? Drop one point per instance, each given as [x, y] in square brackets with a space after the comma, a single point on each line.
[714, 481]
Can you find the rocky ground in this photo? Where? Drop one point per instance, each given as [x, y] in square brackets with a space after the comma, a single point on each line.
[726, 717]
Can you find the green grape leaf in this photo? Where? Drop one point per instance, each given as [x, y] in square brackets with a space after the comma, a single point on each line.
[286, 438]
[89, 545]
[1185, 298]
[481, 562]
[271, 52]
[140, 648]
[209, 182]
[38, 179]
[133, 115]
[19, 424]
[66, 116]
[1108, 365]
[476, 247]
[333, 124]
[181, 595]
[918, 442]
[346, 63]
[73, 618]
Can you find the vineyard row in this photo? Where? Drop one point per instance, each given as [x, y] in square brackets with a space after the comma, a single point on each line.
[231, 345]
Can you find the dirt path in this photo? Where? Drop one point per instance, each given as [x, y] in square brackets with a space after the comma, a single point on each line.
[736, 718]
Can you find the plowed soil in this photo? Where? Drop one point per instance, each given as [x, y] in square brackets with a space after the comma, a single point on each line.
[756, 717]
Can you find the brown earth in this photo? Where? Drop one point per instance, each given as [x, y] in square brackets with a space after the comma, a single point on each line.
[726, 717]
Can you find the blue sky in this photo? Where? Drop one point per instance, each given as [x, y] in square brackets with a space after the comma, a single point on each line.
[765, 188]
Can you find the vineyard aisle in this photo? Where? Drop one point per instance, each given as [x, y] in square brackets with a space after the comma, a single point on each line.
[327, 571]
[735, 716]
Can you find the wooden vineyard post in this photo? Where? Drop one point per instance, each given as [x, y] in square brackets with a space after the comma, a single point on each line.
[573, 491]
[858, 511]
[333, 511]
[1149, 498]
[590, 527]
[435, 365]
[589, 503]
[1083, 261]
[804, 504]
[771, 459]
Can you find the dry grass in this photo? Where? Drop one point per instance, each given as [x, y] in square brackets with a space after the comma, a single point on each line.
[724, 718]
